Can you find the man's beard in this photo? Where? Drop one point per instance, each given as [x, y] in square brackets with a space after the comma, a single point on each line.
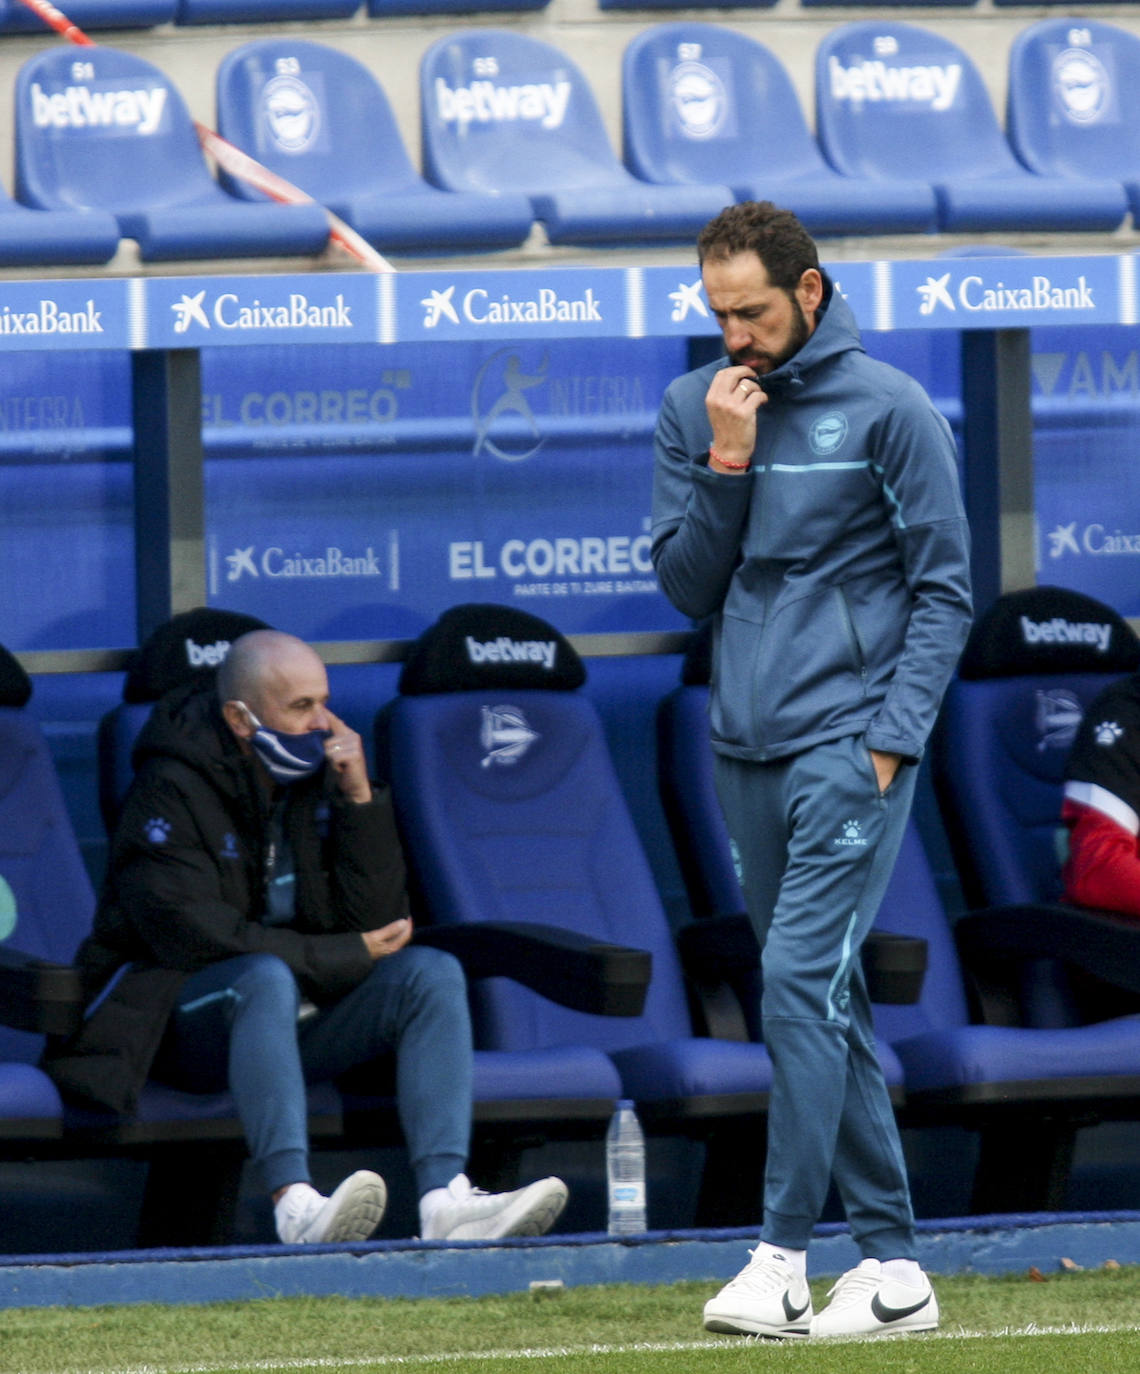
[800, 333]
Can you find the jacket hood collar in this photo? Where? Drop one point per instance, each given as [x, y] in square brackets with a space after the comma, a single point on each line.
[187, 724]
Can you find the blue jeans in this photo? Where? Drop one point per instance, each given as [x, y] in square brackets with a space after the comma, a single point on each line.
[816, 842]
[235, 1026]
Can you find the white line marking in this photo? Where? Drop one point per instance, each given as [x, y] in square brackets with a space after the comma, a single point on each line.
[283, 1366]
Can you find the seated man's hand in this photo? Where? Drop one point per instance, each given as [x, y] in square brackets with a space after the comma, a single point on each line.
[344, 750]
[387, 939]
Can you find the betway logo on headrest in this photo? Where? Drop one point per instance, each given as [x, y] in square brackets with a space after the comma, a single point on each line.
[506, 650]
[542, 102]
[874, 80]
[1060, 631]
[206, 655]
[79, 107]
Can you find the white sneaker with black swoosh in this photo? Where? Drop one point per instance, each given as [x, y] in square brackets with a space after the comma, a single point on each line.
[865, 1302]
[767, 1298]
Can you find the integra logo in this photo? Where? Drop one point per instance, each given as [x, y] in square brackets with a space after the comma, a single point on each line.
[80, 107]
[230, 312]
[545, 307]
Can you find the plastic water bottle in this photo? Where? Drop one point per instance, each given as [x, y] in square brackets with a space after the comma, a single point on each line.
[625, 1171]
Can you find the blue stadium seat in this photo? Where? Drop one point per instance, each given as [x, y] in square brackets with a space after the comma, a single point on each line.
[45, 898]
[1073, 102]
[504, 112]
[511, 812]
[91, 14]
[383, 9]
[44, 238]
[702, 103]
[262, 11]
[118, 137]
[320, 119]
[893, 99]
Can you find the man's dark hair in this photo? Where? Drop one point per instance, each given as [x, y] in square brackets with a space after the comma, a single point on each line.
[777, 238]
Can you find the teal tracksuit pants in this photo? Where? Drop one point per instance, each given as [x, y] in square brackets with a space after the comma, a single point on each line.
[816, 843]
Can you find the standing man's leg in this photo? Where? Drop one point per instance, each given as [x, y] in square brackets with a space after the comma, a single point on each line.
[829, 1108]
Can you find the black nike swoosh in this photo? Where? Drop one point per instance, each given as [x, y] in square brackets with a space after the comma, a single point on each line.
[893, 1314]
[793, 1313]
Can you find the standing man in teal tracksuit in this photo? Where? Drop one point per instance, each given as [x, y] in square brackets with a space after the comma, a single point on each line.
[806, 497]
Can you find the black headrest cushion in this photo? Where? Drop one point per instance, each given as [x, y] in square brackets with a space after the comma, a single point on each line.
[1049, 630]
[480, 645]
[15, 684]
[188, 645]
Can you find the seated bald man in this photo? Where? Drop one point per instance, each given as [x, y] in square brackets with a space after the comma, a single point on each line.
[257, 876]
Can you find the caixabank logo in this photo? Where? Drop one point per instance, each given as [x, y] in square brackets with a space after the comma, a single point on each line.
[76, 314]
[478, 305]
[246, 310]
[1005, 292]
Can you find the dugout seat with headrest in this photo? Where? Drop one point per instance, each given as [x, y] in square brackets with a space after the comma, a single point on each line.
[319, 118]
[894, 99]
[702, 103]
[503, 112]
[190, 644]
[119, 138]
[511, 812]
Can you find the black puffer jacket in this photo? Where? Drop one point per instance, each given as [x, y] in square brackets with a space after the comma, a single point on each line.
[186, 887]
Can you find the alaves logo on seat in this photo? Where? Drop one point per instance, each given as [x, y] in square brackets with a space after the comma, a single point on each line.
[867, 80]
[504, 735]
[81, 107]
[483, 102]
[507, 650]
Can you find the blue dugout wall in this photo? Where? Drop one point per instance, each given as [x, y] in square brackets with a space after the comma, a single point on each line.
[346, 455]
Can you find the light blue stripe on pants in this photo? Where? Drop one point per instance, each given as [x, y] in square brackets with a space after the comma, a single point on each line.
[236, 1026]
[817, 842]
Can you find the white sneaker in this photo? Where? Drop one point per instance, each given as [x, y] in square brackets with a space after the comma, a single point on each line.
[468, 1213]
[864, 1302]
[767, 1298]
[353, 1212]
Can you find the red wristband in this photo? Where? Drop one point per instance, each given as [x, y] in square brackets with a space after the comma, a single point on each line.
[714, 456]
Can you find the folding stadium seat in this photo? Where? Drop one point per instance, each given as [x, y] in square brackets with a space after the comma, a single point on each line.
[1073, 102]
[33, 238]
[503, 112]
[319, 118]
[262, 11]
[967, 1059]
[702, 103]
[111, 133]
[893, 98]
[511, 811]
[93, 14]
[383, 9]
